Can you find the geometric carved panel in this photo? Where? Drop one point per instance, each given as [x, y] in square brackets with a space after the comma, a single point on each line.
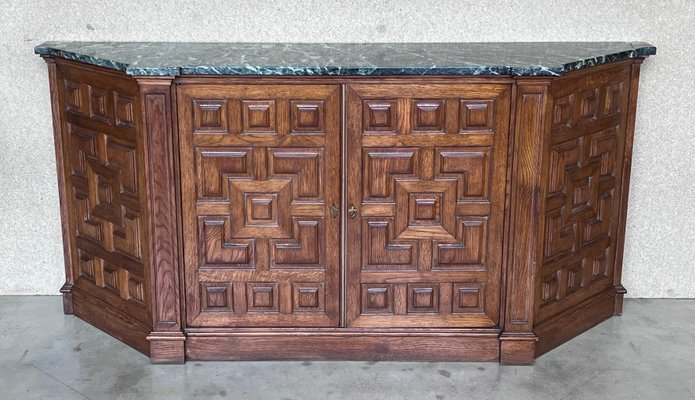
[382, 168]
[257, 204]
[303, 165]
[469, 247]
[470, 166]
[214, 166]
[584, 165]
[425, 245]
[104, 185]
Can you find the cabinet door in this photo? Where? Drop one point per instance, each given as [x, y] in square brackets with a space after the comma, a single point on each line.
[426, 186]
[260, 167]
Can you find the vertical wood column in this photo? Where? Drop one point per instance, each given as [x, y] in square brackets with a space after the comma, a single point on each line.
[625, 185]
[166, 339]
[66, 290]
[518, 342]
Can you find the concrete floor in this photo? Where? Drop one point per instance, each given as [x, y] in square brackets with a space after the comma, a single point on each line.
[648, 353]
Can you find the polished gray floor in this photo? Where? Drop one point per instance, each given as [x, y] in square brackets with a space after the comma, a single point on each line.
[648, 353]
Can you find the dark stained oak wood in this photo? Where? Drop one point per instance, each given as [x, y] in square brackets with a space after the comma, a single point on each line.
[356, 218]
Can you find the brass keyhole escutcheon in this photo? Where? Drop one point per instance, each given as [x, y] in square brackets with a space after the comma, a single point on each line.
[352, 211]
[334, 211]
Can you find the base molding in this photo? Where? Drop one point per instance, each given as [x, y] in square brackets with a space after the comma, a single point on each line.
[167, 347]
[110, 320]
[558, 329]
[357, 346]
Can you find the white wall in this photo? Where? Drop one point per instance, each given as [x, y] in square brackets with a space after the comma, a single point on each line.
[660, 248]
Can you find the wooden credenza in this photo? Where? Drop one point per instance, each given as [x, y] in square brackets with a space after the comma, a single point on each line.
[236, 210]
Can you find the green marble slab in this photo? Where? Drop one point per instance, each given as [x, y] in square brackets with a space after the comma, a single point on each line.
[346, 59]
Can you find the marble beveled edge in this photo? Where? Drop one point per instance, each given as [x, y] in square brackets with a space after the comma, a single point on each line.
[640, 49]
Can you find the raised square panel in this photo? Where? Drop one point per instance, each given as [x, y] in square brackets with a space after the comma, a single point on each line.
[471, 166]
[308, 297]
[575, 278]
[589, 105]
[477, 116]
[110, 275]
[425, 208]
[258, 116]
[562, 112]
[98, 104]
[599, 266]
[73, 96]
[612, 99]
[261, 209]
[423, 298]
[379, 116]
[441, 196]
[136, 289]
[123, 110]
[217, 296]
[88, 265]
[428, 116]
[210, 116]
[306, 117]
[262, 297]
[468, 298]
[243, 225]
[550, 287]
[377, 299]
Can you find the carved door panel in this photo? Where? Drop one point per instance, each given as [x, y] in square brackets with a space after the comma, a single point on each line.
[260, 169]
[106, 222]
[426, 175]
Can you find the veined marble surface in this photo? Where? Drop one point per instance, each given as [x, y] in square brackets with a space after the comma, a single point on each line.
[346, 59]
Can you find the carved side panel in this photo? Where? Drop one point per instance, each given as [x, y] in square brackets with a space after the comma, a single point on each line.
[582, 188]
[426, 168]
[104, 185]
[259, 176]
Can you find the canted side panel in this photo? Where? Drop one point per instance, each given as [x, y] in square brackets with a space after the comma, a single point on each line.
[582, 188]
[426, 170]
[260, 173]
[105, 187]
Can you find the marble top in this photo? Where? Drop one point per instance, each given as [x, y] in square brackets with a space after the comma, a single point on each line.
[346, 59]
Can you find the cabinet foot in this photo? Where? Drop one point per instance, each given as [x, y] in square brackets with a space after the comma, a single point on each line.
[619, 293]
[66, 290]
[167, 347]
[517, 349]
